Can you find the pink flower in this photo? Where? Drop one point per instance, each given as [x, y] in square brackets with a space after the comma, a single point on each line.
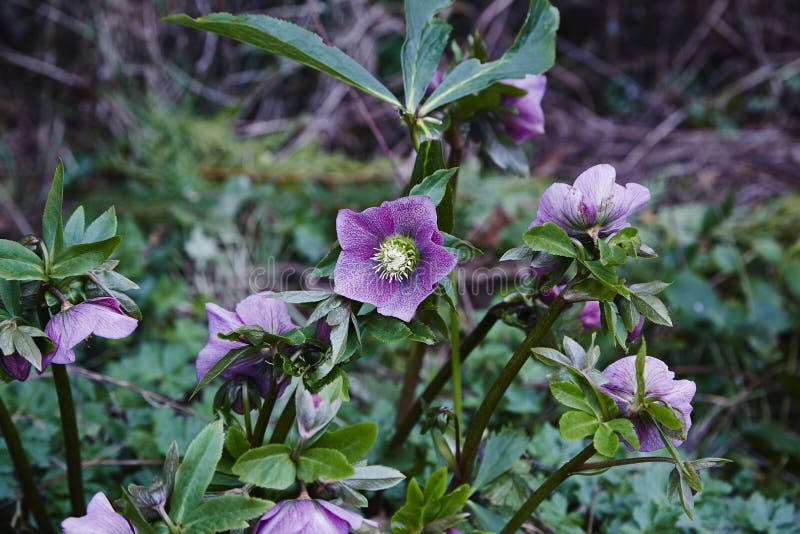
[99, 316]
[529, 119]
[590, 315]
[305, 516]
[100, 518]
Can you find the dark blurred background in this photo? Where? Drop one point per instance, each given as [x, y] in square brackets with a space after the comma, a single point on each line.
[221, 158]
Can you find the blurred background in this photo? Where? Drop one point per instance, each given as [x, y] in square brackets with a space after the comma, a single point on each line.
[223, 160]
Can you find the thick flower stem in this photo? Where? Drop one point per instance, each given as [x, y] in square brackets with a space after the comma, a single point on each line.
[467, 345]
[498, 389]
[285, 421]
[455, 356]
[23, 470]
[265, 413]
[248, 422]
[625, 461]
[72, 442]
[547, 487]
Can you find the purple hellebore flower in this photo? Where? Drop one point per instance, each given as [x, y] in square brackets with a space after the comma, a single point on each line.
[636, 333]
[99, 316]
[256, 310]
[314, 411]
[660, 385]
[16, 366]
[590, 315]
[529, 119]
[392, 255]
[594, 204]
[100, 518]
[304, 515]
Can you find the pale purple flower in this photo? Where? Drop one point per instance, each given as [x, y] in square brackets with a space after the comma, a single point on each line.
[15, 366]
[528, 122]
[660, 385]
[590, 315]
[634, 334]
[314, 411]
[256, 310]
[594, 204]
[100, 518]
[392, 255]
[304, 516]
[99, 316]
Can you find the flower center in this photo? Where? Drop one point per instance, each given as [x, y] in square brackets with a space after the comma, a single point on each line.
[396, 258]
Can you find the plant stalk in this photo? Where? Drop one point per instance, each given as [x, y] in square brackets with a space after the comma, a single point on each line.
[469, 343]
[501, 383]
[410, 380]
[265, 414]
[284, 423]
[23, 470]
[72, 442]
[626, 461]
[547, 487]
[455, 356]
[248, 422]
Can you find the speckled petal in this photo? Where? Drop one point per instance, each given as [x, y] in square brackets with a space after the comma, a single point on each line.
[408, 213]
[270, 314]
[355, 278]
[363, 232]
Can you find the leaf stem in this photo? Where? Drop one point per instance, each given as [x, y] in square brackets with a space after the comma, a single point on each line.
[410, 380]
[547, 487]
[248, 422]
[72, 442]
[265, 413]
[501, 383]
[284, 423]
[626, 461]
[455, 354]
[23, 470]
[469, 343]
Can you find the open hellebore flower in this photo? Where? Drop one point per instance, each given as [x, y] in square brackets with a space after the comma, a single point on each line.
[594, 204]
[529, 119]
[256, 310]
[100, 518]
[306, 515]
[660, 386]
[392, 255]
[99, 316]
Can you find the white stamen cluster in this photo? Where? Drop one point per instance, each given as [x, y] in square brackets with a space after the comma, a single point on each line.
[396, 258]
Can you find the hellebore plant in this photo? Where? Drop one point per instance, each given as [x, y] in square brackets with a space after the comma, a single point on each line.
[393, 274]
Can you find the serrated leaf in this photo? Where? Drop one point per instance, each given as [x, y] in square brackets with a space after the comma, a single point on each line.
[653, 308]
[75, 227]
[19, 263]
[353, 441]
[571, 396]
[625, 428]
[550, 238]
[374, 478]
[664, 415]
[236, 442]
[577, 425]
[269, 466]
[606, 276]
[103, 227]
[649, 288]
[300, 297]
[501, 451]
[323, 464]
[517, 254]
[435, 185]
[605, 440]
[425, 42]
[551, 356]
[196, 471]
[326, 266]
[80, 259]
[26, 347]
[533, 52]
[226, 512]
[293, 42]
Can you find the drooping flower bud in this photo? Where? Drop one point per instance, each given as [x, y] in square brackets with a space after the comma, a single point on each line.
[315, 410]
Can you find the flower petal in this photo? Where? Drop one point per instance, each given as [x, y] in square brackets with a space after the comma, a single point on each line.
[550, 206]
[16, 366]
[409, 213]
[108, 318]
[529, 120]
[353, 519]
[100, 518]
[597, 183]
[363, 232]
[220, 321]
[355, 278]
[270, 314]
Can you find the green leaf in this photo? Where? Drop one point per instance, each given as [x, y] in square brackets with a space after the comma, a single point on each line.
[300, 297]
[589, 289]
[460, 247]
[327, 464]
[374, 478]
[652, 307]
[425, 42]
[103, 227]
[26, 347]
[533, 52]
[606, 276]
[521, 253]
[501, 451]
[353, 441]
[435, 185]
[550, 238]
[75, 227]
[226, 512]
[293, 42]
[421, 332]
[326, 266]
[52, 226]
[19, 263]
[429, 160]
[270, 467]
[664, 415]
[605, 440]
[222, 365]
[196, 471]
[625, 428]
[577, 425]
[236, 442]
[649, 288]
[80, 259]
[571, 396]
[551, 356]
[10, 295]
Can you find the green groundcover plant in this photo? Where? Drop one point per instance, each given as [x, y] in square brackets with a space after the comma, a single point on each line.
[273, 461]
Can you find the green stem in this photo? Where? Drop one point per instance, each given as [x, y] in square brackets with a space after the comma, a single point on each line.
[72, 442]
[467, 345]
[547, 487]
[284, 423]
[248, 422]
[455, 354]
[265, 413]
[410, 380]
[627, 461]
[23, 470]
[501, 383]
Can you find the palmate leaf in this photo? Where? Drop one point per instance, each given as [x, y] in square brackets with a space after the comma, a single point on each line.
[426, 39]
[290, 41]
[533, 52]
